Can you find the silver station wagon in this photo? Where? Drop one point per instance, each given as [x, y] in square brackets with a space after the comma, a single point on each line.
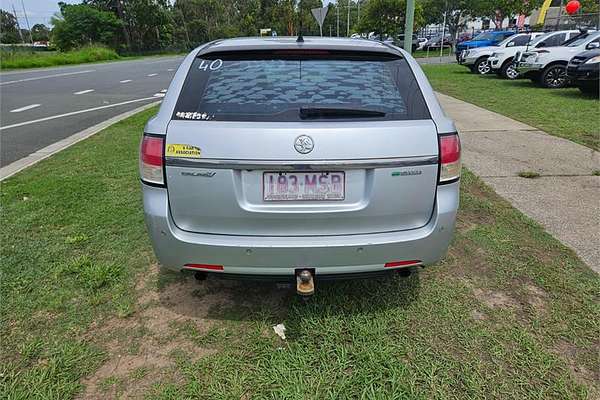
[301, 160]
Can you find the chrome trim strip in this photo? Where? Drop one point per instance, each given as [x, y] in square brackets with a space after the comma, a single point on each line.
[301, 164]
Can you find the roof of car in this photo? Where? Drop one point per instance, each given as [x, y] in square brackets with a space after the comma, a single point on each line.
[289, 42]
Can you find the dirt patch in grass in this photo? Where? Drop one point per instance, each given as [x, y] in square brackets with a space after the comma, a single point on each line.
[177, 318]
[494, 298]
[536, 297]
[142, 348]
[570, 353]
[478, 315]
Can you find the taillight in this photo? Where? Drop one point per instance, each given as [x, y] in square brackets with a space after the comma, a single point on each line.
[406, 263]
[151, 160]
[211, 267]
[449, 158]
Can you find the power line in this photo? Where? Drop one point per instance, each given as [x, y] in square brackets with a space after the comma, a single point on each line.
[18, 26]
[27, 21]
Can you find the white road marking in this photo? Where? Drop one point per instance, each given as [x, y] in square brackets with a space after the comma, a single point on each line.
[47, 76]
[125, 81]
[159, 95]
[164, 91]
[21, 164]
[84, 91]
[170, 69]
[35, 121]
[29, 107]
[151, 74]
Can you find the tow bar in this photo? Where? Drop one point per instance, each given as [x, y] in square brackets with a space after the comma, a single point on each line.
[305, 284]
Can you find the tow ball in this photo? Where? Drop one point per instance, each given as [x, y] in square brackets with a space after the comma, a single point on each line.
[305, 284]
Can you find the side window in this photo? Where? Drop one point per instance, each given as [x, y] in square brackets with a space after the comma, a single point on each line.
[498, 38]
[555, 40]
[594, 44]
[519, 41]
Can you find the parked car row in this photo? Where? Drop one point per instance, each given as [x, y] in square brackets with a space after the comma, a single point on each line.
[552, 60]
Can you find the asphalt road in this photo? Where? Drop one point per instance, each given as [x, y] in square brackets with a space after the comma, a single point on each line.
[40, 107]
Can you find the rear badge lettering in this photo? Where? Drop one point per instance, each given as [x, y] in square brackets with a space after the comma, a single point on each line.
[183, 150]
[207, 174]
[407, 173]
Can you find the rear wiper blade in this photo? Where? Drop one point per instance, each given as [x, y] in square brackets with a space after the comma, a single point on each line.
[330, 112]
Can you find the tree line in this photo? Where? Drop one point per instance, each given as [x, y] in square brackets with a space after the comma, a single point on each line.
[155, 25]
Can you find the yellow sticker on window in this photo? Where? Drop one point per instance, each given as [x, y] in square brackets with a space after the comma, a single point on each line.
[183, 150]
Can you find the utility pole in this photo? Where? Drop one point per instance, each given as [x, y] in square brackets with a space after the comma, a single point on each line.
[443, 36]
[121, 15]
[18, 26]
[408, 25]
[348, 21]
[27, 22]
[337, 11]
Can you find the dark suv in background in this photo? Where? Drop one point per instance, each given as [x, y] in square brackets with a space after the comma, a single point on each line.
[584, 71]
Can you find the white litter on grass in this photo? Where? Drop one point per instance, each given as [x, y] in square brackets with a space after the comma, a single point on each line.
[280, 330]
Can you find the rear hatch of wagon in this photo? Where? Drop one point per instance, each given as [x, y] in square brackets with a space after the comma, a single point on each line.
[292, 143]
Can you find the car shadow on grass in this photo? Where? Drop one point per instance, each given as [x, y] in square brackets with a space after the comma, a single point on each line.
[240, 300]
[574, 93]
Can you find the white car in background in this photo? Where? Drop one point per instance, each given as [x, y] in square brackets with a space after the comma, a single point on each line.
[548, 66]
[477, 58]
[502, 60]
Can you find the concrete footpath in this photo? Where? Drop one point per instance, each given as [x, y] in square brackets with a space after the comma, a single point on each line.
[565, 199]
[432, 59]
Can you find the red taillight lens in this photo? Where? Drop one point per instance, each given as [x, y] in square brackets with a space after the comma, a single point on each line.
[151, 160]
[449, 158]
[210, 267]
[406, 263]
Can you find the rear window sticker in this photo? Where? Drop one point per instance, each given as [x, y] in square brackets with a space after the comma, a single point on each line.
[193, 115]
[183, 150]
[212, 65]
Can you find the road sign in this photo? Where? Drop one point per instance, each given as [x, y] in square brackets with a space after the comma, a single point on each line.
[320, 14]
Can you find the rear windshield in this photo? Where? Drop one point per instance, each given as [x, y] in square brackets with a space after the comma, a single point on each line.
[276, 86]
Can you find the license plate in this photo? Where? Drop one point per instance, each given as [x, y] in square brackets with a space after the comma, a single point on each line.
[303, 186]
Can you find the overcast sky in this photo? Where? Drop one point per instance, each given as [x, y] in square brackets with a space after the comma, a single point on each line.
[38, 11]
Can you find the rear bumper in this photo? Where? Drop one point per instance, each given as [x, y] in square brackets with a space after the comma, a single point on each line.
[328, 255]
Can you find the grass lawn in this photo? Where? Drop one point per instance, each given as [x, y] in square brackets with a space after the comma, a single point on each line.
[561, 112]
[432, 53]
[510, 313]
[90, 54]
[37, 59]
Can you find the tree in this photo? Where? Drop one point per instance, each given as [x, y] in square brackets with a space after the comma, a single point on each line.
[383, 16]
[387, 16]
[458, 13]
[497, 10]
[149, 23]
[9, 32]
[81, 24]
[146, 24]
[310, 27]
[40, 33]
